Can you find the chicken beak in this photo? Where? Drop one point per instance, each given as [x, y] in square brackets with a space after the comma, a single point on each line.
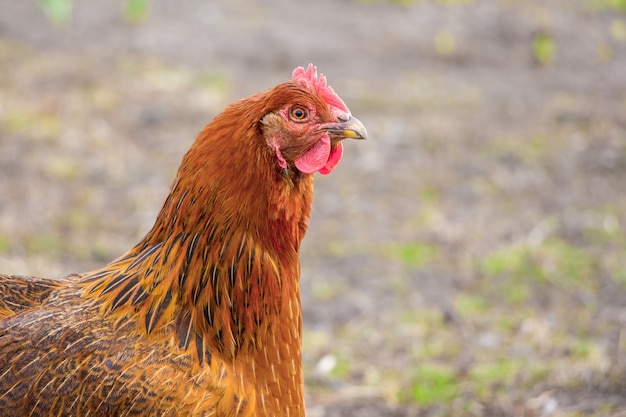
[350, 129]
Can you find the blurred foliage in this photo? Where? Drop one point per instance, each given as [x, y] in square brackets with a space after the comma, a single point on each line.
[62, 168]
[49, 244]
[414, 255]
[496, 375]
[35, 123]
[445, 43]
[618, 30]
[471, 304]
[543, 48]
[5, 244]
[617, 5]
[552, 261]
[136, 10]
[435, 384]
[59, 12]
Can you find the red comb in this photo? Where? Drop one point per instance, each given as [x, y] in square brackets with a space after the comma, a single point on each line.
[318, 85]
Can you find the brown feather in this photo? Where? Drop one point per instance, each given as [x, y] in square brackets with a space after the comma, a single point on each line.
[21, 293]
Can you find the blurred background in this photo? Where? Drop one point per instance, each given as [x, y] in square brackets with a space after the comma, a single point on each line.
[468, 259]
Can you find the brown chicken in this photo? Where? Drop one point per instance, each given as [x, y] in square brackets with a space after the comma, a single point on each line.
[202, 317]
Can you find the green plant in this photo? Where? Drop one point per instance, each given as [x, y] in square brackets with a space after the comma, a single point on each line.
[435, 384]
[414, 255]
[59, 12]
[544, 48]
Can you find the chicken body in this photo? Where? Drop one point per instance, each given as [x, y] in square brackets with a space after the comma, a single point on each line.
[202, 317]
[66, 359]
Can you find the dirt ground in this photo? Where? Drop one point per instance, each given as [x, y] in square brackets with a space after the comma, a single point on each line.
[468, 259]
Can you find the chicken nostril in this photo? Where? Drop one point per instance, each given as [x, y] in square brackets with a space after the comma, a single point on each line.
[342, 118]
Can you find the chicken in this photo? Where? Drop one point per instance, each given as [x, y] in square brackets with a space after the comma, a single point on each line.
[202, 317]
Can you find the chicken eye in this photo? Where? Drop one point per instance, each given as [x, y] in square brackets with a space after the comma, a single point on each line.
[298, 113]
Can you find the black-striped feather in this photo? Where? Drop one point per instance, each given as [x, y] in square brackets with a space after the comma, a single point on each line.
[155, 312]
[125, 293]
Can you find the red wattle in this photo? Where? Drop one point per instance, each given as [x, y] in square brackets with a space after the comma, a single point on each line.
[315, 158]
[333, 160]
